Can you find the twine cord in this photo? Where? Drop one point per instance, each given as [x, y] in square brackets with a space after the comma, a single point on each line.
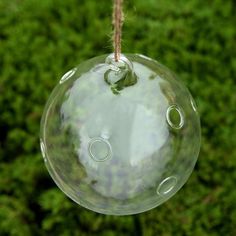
[118, 20]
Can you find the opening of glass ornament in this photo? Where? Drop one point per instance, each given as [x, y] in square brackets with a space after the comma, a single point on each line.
[120, 73]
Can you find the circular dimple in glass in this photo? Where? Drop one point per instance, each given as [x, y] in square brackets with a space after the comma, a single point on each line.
[42, 147]
[166, 185]
[99, 149]
[175, 117]
[193, 105]
[68, 75]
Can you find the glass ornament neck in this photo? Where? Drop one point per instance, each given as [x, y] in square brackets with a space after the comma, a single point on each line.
[120, 73]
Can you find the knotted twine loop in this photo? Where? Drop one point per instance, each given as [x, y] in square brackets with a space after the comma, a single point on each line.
[118, 19]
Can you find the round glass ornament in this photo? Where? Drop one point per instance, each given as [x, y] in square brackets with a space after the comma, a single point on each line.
[120, 137]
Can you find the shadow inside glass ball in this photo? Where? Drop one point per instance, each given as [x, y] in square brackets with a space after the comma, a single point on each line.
[120, 137]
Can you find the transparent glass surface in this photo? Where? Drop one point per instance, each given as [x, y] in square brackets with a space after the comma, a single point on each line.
[120, 137]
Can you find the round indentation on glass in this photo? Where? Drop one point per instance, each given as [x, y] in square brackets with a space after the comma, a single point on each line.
[175, 117]
[166, 185]
[145, 57]
[42, 147]
[99, 149]
[193, 104]
[67, 75]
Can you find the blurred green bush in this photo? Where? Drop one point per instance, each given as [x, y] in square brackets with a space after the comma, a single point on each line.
[41, 40]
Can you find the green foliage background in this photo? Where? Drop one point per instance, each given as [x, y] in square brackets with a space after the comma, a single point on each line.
[41, 40]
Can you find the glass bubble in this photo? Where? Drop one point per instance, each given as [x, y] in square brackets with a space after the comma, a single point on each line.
[120, 137]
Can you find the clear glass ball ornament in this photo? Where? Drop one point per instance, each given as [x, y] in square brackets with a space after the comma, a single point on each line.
[120, 137]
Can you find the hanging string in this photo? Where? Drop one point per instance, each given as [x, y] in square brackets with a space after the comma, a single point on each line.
[117, 24]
